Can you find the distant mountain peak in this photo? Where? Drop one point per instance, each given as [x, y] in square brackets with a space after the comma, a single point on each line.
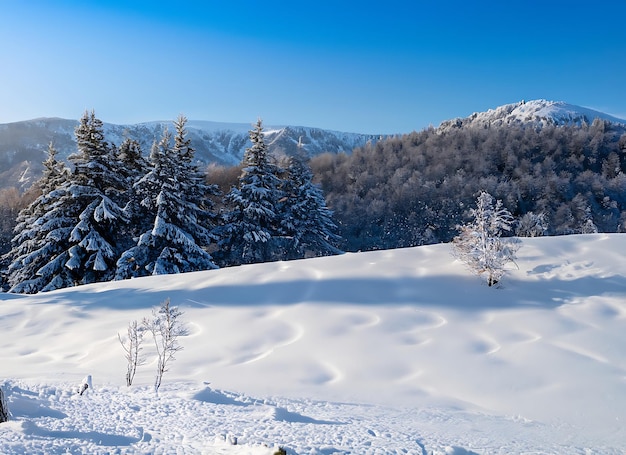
[538, 113]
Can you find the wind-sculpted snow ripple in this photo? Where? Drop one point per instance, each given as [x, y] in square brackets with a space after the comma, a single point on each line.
[395, 351]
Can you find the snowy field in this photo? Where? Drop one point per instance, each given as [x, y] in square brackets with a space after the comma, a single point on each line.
[389, 352]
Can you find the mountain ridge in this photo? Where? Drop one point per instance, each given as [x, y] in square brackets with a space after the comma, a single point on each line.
[23, 145]
[539, 113]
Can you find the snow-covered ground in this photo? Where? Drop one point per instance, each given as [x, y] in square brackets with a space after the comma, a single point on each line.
[398, 351]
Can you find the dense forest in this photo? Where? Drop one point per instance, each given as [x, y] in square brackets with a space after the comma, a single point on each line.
[417, 188]
[403, 191]
[113, 214]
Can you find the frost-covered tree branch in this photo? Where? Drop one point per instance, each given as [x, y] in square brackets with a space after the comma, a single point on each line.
[532, 225]
[132, 346]
[166, 328]
[479, 244]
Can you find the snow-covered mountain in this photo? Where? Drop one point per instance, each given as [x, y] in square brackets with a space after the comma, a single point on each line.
[23, 145]
[538, 113]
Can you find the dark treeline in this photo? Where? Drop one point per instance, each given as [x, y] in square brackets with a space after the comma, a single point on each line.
[415, 189]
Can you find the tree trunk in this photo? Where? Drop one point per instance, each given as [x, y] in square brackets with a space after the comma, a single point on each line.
[4, 409]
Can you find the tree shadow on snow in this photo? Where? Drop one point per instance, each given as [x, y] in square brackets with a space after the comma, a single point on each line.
[276, 413]
[24, 404]
[466, 292]
[102, 439]
[283, 415]
[208, 395]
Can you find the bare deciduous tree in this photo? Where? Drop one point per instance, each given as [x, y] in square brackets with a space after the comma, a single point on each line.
[532, 225]
[166, 328]
[132, 345]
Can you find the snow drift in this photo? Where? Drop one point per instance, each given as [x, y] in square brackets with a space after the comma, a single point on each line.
[400, 351]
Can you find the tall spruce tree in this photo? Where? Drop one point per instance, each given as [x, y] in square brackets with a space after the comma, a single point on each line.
[252, 231]
[133, 166]
[39, 248]
[97, 191]
[307, 221]
[198, 192]
[178, 200]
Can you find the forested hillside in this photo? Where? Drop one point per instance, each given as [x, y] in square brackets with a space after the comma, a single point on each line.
[403, 191]
[415, 189]
[115, 215]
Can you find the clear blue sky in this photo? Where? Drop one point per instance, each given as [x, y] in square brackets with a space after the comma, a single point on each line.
[373, 67]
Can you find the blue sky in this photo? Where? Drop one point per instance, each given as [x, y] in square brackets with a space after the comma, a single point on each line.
[370, 67]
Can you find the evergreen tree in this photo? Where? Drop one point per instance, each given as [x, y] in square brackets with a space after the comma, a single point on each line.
[131, 158]
[133, 166]
[95, 188]
[308, 221]
[252, 231]
[480, 245]
[175, 195]
[198, 193]
[39, 248]
[76, 222]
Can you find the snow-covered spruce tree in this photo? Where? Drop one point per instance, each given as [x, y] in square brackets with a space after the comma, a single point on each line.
[96, 191]
[479, 244]
[130, 156]
[133, 167]
[251, 232]
[178, 202]
[307, 221]
[39, 248]
[166, 328]
[199, 193]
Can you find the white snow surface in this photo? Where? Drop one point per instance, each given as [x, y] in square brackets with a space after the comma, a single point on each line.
[388, 352]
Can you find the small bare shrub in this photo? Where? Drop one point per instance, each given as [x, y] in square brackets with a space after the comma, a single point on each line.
[166, 327]
[132, 345]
